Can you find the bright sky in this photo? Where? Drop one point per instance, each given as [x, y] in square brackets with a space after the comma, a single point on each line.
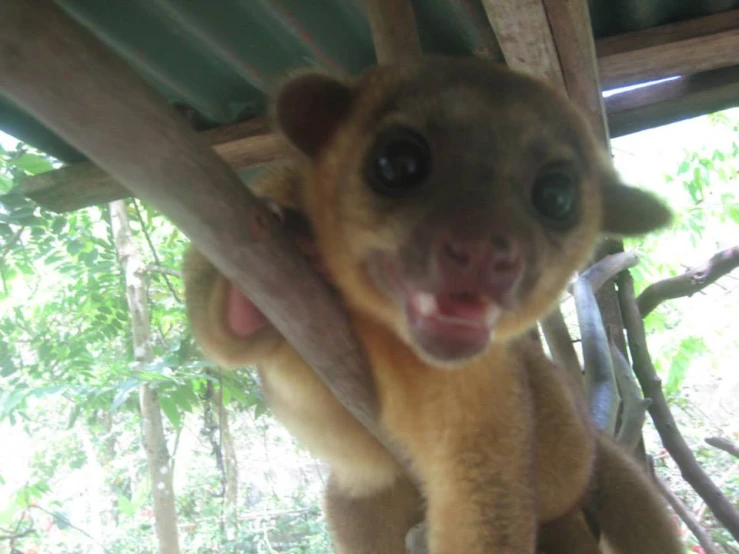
[7, 142]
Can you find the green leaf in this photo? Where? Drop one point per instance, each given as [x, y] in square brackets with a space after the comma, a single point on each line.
[260, 409]
[169, 407]
[61, 520]
[58, 225]
[33, 163]
[732, 211]
[124, 389]
[125, 506]
[687, 350]
[5, 184]
[73, 415]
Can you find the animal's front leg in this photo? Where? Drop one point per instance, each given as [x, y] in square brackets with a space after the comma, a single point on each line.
[480, 486]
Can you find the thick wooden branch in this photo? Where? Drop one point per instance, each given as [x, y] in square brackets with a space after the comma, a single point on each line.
[633, 406]
[690, 282]
[560, 343]
[724, 444]
[394, 32]
[600, 380]
[607, 268]
[60, 73]
[677, 49]
[703, 537]
[666, 426]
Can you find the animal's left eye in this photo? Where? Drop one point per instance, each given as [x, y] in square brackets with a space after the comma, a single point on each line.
[555, 196]
[399, 162]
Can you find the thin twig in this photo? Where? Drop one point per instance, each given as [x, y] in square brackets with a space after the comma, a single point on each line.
[688, 517]
[724, 444]
[69, 524]
[10, 244]
[163, 270]
[154, 250]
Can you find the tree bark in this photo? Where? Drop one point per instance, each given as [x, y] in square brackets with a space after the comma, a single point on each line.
[690, 282]
[724, 444]
[560, 343]
[154, 440]
[703, 537]
[666, 426]
[230, 462]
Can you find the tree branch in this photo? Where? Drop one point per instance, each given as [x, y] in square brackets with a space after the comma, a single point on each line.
[688, 517]
[560, 343]
[61, 74]
[154, 250]
[634, 407]
[163, 271]
[607, 268]
[690, 282]
[10, 244]
[724, 444]
[600, 382]
[666, 426]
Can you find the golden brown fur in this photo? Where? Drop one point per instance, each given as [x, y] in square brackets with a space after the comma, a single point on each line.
[496, 432]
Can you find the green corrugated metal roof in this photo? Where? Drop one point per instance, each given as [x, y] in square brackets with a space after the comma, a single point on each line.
[221, 57]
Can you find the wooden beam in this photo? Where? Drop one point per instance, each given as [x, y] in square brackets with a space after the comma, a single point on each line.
[552, 40]
[573, 37]
[525, 38]
[394, 31]
[57, 71]
[247, 145]
[242, 145]
[677, 49]
[673, 101]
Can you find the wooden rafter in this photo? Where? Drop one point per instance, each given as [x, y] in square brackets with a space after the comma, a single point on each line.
[546, 37]
[525, 38]
[573, 35]
[553, 40]
[242, 145]
[677, 49]
[673, 101]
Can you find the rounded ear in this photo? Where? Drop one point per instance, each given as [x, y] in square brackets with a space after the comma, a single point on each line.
[309, 108]
[630, 211]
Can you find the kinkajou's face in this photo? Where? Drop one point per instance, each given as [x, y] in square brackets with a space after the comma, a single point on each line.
[454, 200]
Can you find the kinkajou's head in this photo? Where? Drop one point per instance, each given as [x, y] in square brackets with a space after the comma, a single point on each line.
[453, 199]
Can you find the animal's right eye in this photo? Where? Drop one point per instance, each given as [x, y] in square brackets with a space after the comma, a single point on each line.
[399, 161]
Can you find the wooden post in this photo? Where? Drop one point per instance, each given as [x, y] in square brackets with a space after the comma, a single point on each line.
[394, 31]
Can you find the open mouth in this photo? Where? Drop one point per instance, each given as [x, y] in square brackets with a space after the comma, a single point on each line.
[452, 326]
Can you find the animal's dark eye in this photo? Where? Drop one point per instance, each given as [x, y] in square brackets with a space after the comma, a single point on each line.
[399, 161]
[555, 196]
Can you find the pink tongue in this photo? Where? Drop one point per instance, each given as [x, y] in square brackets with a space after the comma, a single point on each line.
[465, 306]
[244, 319]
